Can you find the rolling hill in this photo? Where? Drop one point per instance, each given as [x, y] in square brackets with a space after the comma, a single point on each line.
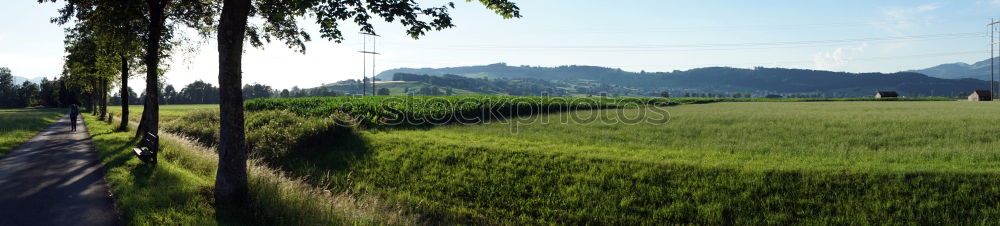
[757, 81]
[18, 80]
[978, 70]
[402, 87]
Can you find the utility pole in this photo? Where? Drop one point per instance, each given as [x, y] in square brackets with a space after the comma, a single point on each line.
[364, 63]
[373, 64]
[364, 51]
[992, 29]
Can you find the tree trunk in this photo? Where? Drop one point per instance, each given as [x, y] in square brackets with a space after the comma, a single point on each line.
[93, 98]
[151, 109]
[231, 177]
[124, 91]
[105, 88]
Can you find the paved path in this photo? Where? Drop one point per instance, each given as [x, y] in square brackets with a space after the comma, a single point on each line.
[55, 178]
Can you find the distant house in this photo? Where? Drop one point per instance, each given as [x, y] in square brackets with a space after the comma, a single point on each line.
[774, 96]
[981, 95]
[886, 94]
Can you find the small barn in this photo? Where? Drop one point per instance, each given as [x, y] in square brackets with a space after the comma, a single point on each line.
[981, 95]
[886, 94]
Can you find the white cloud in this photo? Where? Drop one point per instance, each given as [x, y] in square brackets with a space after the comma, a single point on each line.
[837, 58]
[901, 19]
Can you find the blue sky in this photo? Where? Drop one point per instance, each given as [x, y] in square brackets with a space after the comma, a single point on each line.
[650, 35]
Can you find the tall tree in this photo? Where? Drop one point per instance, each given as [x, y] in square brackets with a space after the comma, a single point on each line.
[8, 91]
[280, 22]
[85, 68]
[197, 14]
[150, 121]
[121, 26]
[49, 93]
[154, 21]
[109, 27]
[28, 94]
[169, 95]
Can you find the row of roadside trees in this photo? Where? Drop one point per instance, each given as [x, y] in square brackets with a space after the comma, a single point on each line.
[106, 38]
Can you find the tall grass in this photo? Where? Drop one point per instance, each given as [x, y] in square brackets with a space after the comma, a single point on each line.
[269, 134]
[178, 190]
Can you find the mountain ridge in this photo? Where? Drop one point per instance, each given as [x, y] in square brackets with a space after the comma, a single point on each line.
[978, 70]
[758, 81]
[19, 80]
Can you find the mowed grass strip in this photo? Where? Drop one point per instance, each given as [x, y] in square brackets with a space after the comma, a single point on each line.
[741, 163]
[167, 112]
[19, 125]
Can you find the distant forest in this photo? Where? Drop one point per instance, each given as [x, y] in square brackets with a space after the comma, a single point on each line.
[29, 94]
[759, 81]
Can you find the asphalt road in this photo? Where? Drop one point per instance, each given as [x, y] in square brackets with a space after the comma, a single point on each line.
[55, 178]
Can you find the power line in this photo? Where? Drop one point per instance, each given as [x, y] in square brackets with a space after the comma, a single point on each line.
[732, 27]
[705, 46]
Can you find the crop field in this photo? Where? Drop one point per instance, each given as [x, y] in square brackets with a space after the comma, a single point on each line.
[428, 110]
[836, 162]
[424, 110]
[18, 125]
[858, 162]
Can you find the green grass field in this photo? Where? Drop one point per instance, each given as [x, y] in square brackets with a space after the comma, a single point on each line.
[829, 162]
[18, 125]
[719, 163]
[167, 112]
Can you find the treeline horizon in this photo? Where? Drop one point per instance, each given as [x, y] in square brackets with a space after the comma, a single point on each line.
[201, 92]
[760, 81]
[46, 93]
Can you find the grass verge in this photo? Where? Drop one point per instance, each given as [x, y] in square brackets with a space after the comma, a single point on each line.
[178, 191]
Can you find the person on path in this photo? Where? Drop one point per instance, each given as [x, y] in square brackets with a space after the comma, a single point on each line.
[73, 112]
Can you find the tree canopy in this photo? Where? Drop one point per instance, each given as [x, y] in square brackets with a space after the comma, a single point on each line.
[280, 22]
